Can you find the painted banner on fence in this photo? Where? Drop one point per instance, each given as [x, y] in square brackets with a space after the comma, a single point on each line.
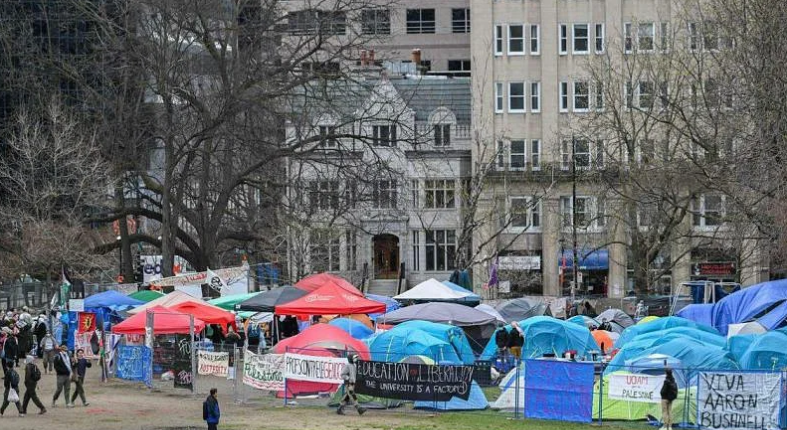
[264, 371]
[729, 400]
[213, 363]
[134, 363]
[412, 381]
[559, 390]
[314, 369]
[636, 387]
[88, 343]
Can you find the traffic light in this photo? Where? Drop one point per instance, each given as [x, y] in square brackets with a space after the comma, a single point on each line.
[139, 271]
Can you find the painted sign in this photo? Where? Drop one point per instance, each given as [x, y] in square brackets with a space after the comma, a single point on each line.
[636, 387]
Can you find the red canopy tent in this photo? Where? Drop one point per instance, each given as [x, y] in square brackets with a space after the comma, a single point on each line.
[330, 299]
[315, 282]
[207, 312]
[165, 321]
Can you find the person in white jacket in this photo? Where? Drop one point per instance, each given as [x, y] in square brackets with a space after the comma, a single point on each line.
[348, 375]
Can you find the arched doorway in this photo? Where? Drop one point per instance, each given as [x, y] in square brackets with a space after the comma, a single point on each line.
[386, 256]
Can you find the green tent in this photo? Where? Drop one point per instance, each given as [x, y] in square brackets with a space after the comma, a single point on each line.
[146, 295]
[229, 302]
[635, 411]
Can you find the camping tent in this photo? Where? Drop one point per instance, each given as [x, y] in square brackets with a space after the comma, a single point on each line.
[751, 327]
[447, 333]
[165, 321]
[766, 352]
[433, 290]
[635, 347]
[228, 302]
[390, 304]
[268, 300]
[683, 408]
[659, 325]
[354, 328]
[112, 300]
[483, 307]
[604, 339]
[460, 289]
[146, 295]
[315, 282]
[521, 309]
[439, 312]
[654, 364]
[330, 300]
[512, 383]
[206, 312]
[476, 401]
[547, 335]
[616, 316]
[167, 301]
[738, 345]
[401, 342]
[585, 321]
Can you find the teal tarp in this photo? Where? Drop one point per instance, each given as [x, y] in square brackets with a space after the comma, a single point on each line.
[547, 335]
[659, 325]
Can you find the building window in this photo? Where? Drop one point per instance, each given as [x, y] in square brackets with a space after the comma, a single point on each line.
[376, 21]
[628, 38]
[517, 155]
[601, 151]
[384, 135]
[385, 195]
[460, 20]
[304, 22]
[535, 39]
[351, 248]
[519, 213]
[516, 39]
[416, 263]
[442, 135]
[415, 193]
[580, 39]
[498, 40]
[643, 40]
[459, 66]
[563, 39]
[599, 38]
[324, 251]
[694, 36]
[328, 137]
[564, 97]
[535, 97]
[516, 97]
[439, 194]
[708, 210]
[501, 155]
[499, 97]
[420, 21]
[599, 96]
[535, 154]
[582, 217]
[645, 94]
[580, 152]
[440, 250]
[664, 37]
[581, 97]
[324, 195]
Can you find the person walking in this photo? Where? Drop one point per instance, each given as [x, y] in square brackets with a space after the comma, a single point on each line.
[210, 410]
[49, 347]
[348, 374]
[10, 351]
[10, 383]
[64, 370]
[32, 376]
[669, 392]
[82, 365]
[516, 340]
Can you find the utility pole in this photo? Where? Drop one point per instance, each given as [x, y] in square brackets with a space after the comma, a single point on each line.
[575, 265]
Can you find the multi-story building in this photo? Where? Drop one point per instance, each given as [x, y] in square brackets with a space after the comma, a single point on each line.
[531, 89]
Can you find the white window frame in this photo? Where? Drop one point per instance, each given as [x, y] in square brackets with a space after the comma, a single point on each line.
[563, 96]
[600, 154]
[599, 36]
[446, 244]
[652, 95]
[499, 42]
[562, 37]
[664, 37]
[567, 212]
[523, 97]
[599, 98]
[535, 97]
[520, 155]
[501, 155]
[442, 135]
[500, 97]
[574, 38]
[416, 257]
[640, 36]
[445, 188]
[575, 94]
[628, 38]
[535, 154]
[700, 213]
[521, 40]
[535, 39]
[531, 213]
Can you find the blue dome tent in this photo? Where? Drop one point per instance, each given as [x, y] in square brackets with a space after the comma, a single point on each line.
[355, 328]
[397, 344]
[766, 352]
[454, 336]
[547, 335]
[634, 348]
[659, 325]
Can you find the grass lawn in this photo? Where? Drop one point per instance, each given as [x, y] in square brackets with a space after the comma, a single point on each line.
[491, 420]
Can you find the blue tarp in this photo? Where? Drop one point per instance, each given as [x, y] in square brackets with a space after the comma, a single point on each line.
[738, 345]
[588, 260]
[635, 347]
[699, 313]
[657, 326]
[111, 299]
[476, 401]
[558, 390]
[134, 363]
[749, 304]
[547, 335]
[775, 318]
[399, 343]
[584, 321]
[390, 304]
[447, 333]
[472, 297]
[767, 351]
[355, 328]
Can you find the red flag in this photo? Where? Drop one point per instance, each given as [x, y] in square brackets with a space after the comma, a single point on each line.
[86, 322]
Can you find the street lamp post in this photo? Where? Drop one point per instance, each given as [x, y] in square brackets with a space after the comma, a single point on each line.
[120, 258]
[575, 259]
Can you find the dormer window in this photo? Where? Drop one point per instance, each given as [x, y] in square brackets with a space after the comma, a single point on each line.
[384, 135]
[442, 135]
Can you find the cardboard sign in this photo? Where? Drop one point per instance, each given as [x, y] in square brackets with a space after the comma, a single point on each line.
[413, 381]
[731, 401]
[264, 371]
[76, 305]
[314, 369]
[636, 387]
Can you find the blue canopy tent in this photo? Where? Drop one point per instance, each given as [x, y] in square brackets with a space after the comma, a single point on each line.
[399, 343]
[547, 335]
[111, 299]
[106, 306]
[354, 328]
[766, 352]
[659, 325]
[390, 304]
[588, 259]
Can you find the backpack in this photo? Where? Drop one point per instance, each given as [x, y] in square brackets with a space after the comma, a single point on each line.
[35, 373]
[14, 375]
[205, 410]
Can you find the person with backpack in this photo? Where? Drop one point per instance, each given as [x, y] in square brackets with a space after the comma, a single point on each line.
[516, 340]
[210, 410]
[32, 376]
[349, 372]
[501, 341]
[669, 392]
[11, 393]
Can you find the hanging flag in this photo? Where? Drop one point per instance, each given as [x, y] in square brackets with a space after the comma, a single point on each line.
[65, 287]
[215, 282]
[86, 322]
[493, 273]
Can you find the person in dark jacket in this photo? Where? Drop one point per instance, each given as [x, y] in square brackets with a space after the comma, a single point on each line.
[669, 392]
[210, 410]
[11, 381]
[81, 369]
[64, 369]
[10, 351]
[501, 341]
[32, 376]
[516, 340]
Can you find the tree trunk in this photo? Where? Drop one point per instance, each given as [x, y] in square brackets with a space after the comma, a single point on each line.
[127, 266]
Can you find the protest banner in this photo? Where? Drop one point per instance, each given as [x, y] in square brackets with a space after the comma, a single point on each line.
[313, 369]
[88, 343]
[731, 401]
[213, 363]
[413, 381]
[636, 387]
[264, 372]
[558, 390]
[86, 322]
[134, 363]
